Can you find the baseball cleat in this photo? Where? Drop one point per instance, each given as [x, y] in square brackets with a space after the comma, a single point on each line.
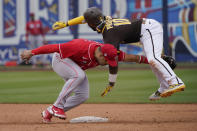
[155, 96]
[173, 89]
[57, 112]
[46, 116]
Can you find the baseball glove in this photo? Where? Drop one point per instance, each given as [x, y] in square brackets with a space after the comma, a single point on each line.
[170, 60]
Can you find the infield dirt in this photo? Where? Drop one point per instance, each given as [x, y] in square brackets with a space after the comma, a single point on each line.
[122, 117]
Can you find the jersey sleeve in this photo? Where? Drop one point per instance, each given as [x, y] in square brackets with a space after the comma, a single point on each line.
[46, 49]
[76, 21]
[65, 49]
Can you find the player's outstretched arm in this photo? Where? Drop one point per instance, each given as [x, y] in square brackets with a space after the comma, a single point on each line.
[59, 25]
[135, 58]
[46, 49]
[142, 59]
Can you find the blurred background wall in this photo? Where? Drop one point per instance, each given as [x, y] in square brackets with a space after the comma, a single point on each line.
[180, 16]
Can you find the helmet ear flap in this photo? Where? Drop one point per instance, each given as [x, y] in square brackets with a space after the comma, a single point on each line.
[100, 26]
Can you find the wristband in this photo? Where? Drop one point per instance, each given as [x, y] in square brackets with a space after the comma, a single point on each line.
[112, 77]
[32, 53]
[140, 59]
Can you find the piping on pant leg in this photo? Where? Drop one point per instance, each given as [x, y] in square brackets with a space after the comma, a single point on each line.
[161, 65]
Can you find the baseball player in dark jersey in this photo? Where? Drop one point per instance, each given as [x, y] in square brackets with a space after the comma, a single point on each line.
[149, 32]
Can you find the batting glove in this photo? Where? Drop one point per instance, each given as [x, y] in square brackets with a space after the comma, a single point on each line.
[107, 89]
[59, 25]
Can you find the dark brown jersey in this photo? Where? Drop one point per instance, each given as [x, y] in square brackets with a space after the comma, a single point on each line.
[121, 31]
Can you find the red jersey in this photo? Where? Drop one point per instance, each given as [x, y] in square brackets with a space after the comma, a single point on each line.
[81, 51]
[34, 27]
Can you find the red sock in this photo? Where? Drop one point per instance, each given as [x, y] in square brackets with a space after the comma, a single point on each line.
[143, 59]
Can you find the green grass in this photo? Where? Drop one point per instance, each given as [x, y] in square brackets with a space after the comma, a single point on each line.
[133, 86]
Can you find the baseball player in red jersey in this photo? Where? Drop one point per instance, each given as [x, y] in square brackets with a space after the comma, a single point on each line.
[35, 36]
[69, 62]
[149, 32]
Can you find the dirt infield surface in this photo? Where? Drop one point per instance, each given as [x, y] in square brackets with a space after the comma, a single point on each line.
[122, 117]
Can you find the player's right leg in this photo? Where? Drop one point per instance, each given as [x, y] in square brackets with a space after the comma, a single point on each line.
[152, 37]
[73, 75]
[81, 94]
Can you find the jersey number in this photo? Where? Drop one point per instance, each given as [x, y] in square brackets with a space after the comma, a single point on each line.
[118, 22]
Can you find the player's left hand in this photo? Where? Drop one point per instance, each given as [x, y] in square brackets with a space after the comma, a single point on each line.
[26, 55]
[58, 25]
[107, 89]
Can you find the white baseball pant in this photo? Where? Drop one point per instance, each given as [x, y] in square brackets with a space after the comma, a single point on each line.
[152, 40]
[75, 81]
